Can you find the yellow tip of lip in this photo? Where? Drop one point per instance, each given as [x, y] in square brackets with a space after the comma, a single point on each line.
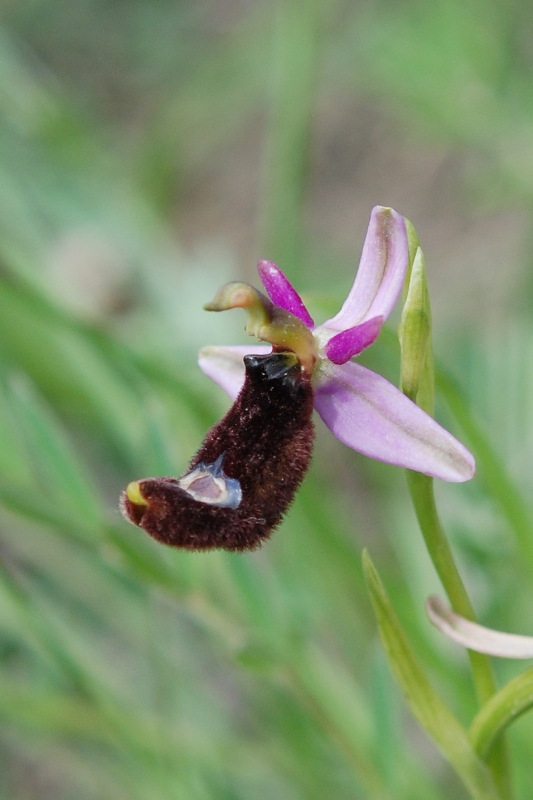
[133, 493]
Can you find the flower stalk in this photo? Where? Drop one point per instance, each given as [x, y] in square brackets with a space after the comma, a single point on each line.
[423, 498]
[417, 382]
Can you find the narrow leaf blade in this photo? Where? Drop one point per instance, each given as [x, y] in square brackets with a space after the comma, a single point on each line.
[426, 705]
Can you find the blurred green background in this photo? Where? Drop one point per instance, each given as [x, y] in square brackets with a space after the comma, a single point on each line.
[149, 151]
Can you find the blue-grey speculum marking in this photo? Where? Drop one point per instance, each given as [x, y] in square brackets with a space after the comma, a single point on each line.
[207, 483]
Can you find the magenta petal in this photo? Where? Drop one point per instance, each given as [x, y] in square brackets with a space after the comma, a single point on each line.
[281, 292]
[225, 365]
[347, 344]
[370, 415]
[381, 272]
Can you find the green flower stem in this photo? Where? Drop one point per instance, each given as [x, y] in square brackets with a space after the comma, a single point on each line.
[422, 494]
[423, 497]
[504, 707]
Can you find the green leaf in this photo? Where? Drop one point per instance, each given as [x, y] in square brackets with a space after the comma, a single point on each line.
[508, 704]
[426, 705]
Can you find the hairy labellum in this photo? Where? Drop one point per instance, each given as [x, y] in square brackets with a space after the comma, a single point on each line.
[245, 474]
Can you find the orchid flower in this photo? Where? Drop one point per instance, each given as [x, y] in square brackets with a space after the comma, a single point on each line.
[246, 473]
[361, 408]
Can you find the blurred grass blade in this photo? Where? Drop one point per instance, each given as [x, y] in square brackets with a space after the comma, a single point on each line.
[69, 370]
[335, 698]
[55, 464]
[145, 560]
[38, 507]
[501, 487]
[13, 459]
[425, 704]
[295, 56]
[42, 633]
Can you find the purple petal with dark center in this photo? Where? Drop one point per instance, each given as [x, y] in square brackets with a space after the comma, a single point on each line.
[347, 344]
[225, 366]
[381, 272]
[281, 292]
[369, 414]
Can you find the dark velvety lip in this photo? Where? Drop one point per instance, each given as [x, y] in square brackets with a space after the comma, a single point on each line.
[255, 458]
